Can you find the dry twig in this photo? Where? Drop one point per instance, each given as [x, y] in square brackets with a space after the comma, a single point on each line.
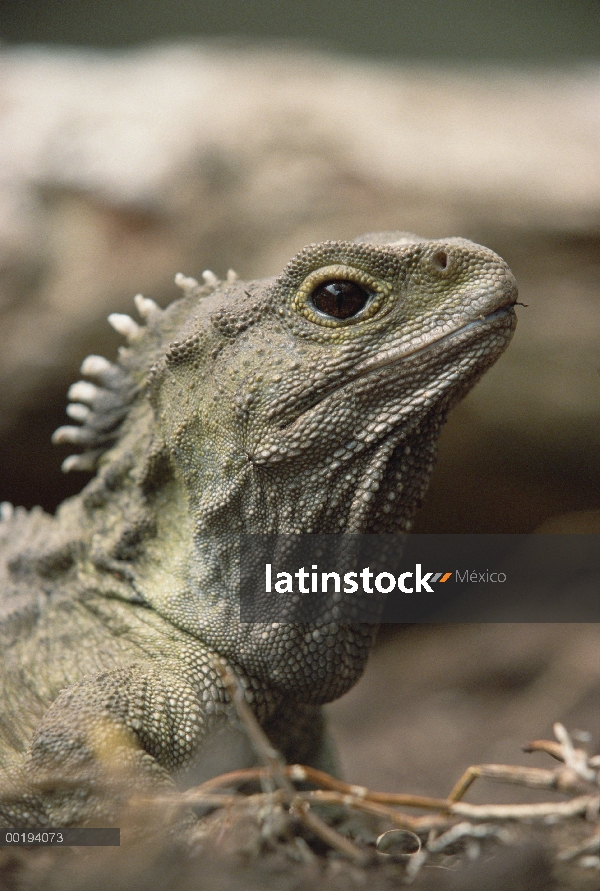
[276, 768]
[577, 774]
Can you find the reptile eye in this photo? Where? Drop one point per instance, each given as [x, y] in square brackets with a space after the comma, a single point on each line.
[339, 299]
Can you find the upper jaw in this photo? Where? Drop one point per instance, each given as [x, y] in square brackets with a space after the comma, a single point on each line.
[447, 344]
[503, 316]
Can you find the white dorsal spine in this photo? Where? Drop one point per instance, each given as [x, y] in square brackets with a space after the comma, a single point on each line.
[70, 434]
[99, 408]
[210, 278]
[87, 461]
[96, 366]
[190, 286]
[124, 325]
[146, 307]
[6, 511]
[78, 412]
[83, 391]
[89, 403]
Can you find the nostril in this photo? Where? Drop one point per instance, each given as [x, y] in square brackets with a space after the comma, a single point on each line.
[440, 260]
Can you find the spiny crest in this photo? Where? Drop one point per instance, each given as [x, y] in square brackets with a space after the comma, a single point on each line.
[98, 407]
[101, 405]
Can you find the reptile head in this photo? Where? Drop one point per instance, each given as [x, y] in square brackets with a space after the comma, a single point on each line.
[307, 403]
[311, 403]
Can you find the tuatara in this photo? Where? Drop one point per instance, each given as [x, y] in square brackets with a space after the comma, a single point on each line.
[310, 402]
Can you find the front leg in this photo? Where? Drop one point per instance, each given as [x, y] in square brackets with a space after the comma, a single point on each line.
[111, 733]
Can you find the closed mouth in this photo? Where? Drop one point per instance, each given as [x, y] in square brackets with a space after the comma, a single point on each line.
[393, 356]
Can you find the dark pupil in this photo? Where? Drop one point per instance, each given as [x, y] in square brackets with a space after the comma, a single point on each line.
[339, 299]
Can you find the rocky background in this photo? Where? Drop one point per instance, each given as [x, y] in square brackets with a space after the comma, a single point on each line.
[120, 168]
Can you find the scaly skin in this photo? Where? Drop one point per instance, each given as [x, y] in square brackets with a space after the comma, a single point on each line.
[240, 408]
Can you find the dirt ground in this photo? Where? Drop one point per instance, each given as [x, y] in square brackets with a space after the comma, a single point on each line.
[436, 699]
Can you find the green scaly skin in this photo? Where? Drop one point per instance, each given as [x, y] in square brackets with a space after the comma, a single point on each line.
[239, 408]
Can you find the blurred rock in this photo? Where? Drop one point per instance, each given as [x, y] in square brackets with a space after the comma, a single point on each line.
[118, 170]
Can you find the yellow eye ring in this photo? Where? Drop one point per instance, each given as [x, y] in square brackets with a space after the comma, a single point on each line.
[378, 290]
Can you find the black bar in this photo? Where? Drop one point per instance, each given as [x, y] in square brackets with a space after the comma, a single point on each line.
[318, 579]
[13, 838]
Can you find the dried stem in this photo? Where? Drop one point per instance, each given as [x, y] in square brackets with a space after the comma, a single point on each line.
[577, 774]
[572, 808]
[276, 767]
